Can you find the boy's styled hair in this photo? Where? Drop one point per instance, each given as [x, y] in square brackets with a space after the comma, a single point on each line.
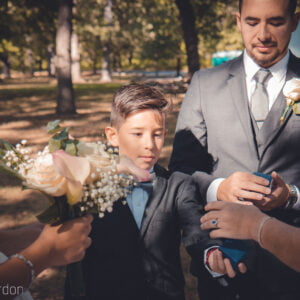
[134, 97]
[292, 6]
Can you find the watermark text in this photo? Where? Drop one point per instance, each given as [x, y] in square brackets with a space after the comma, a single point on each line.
[11, 290]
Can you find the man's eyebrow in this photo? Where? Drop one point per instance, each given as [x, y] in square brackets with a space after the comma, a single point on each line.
[277, 18]
[251, 19]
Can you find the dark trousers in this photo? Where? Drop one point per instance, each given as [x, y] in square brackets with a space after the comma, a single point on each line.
[153, 294]
[242, 288]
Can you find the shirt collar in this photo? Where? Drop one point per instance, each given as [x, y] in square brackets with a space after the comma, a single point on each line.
[278, 70]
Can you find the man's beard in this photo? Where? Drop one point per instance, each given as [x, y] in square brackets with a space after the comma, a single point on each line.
[266, 62]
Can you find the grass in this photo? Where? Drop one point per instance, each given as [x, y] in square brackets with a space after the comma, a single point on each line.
[26, 106]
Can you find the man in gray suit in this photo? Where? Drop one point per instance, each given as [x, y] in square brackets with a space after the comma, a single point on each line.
[223, 135]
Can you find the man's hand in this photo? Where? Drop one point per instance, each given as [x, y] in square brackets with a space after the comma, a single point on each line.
[278, 196]
[242, 185]
[222, 265]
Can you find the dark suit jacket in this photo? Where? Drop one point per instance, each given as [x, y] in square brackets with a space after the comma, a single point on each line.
[215, 137]
[125, 262]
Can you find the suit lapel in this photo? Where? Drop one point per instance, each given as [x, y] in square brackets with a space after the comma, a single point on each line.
[238, 91]
[271, 127]
[159, 188]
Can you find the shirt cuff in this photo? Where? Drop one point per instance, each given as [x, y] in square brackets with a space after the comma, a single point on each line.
[297, 204]
[211, 194]
[212, 273]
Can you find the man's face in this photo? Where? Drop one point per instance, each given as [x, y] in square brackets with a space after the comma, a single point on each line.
[140, 137]
[266, 27]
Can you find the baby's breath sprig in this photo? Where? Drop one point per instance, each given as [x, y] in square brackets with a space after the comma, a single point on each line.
[15, 160]
[108, 187]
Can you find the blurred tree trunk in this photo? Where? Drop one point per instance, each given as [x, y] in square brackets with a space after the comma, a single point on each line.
[187, 19]
[65, 92]
[76, 70]
[75, 53]
[29, 62]
[51, 61]
[178, 66]
[94, 62]
[105, 72]
[6, 65]
[108, 20]
[95, 53]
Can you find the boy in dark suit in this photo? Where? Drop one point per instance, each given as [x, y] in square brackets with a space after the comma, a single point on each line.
[135, 249]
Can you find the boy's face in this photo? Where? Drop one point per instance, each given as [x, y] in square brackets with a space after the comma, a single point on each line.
[140, 137]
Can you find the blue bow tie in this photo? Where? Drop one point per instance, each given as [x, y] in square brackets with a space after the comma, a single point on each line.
[146, 186]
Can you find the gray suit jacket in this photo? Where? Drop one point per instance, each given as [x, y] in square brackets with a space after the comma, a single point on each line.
[216, 136]
[125, 263]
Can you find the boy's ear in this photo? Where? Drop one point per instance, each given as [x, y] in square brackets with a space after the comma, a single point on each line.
[112, 136]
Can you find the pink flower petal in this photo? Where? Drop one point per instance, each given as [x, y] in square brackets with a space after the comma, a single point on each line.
[75, 169]
[71, 167]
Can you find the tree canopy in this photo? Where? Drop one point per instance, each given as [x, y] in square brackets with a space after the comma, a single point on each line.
[141, 34]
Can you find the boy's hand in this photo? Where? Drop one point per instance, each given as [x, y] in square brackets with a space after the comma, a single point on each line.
[222, 265]
[126, 165]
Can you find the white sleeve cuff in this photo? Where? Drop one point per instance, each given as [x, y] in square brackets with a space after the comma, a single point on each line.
[212, 273]
[297, 204]
[211, 194]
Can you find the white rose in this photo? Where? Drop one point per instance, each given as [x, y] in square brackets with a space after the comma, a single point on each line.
[291, 89]
[43, 176]
[59, 174]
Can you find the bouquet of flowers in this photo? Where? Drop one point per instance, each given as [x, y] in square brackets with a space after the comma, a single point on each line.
[76, 177]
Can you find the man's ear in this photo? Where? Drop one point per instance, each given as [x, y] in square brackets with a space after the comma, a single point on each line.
[296, 20]
[112, 136]
[238, 20]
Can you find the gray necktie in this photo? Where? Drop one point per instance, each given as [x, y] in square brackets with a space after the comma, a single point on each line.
[259, 99]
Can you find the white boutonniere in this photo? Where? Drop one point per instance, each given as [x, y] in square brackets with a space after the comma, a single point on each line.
[291, 91]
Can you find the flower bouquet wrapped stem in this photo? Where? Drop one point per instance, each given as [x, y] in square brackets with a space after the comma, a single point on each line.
[76, 177]
[62, 208]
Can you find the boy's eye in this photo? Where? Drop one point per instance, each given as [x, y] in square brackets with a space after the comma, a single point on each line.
[252, 23]
[137, 133]
[158, 134]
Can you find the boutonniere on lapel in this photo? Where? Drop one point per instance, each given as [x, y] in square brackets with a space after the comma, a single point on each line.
[291, 91]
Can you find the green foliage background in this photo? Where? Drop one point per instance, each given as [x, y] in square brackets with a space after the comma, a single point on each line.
[143, 33]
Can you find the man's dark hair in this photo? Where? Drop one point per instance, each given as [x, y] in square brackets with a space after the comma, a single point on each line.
[135, 97]
[292, 6]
